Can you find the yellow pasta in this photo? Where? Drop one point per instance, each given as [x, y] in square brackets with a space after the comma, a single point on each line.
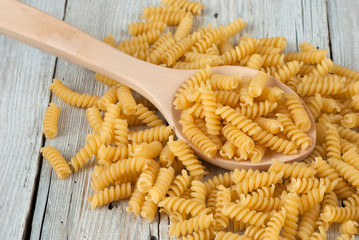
[322, 68]
[213, 50]
[326, 85]
[71, 97]
[147, 37]
[182, 205]
[110, 96]
[349, 227]
[176, 51]
[228, 150]
[350, 120]
[191, 6]
[206, 41]
[275, 224]
[141, 27]
[120, 131]
[332, 142]
[149, 210]
[223, 82]
[294, 170]
[257, 154]
[330, 105]
[243, 142]
[108, 154]
[189, 226]
[270, 125]
[126, 100]
[147, 150]
[314, 104]
[136, 201]
[198, 64]
[49, 125]
[306, 46]
[283, 72]
[307, 224]
[272, 60]
[296, 108]
[108, 195]
[313, 197]
[225, 45]
[276, 42]
[57, 161]
[159, 133]
[257, 109]
[307, 57]
[291, 204]
[340, 214]
[184, 28]
[244, 48]
[147, 117]
[148, 11]
[165, 42]
[166, 156]
[107, 128]
[345, 72]
[234, 27]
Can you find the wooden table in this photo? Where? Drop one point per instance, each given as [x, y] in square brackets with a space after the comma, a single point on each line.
[34, 203]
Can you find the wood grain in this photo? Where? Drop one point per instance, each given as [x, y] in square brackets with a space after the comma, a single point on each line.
[61, 209]
[24, 72]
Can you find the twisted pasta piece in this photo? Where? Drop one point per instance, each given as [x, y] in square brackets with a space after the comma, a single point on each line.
[318, 151]
[293, 132]
[275, 143]
[322, 68]
[350, 120]
[345, 237]
[120, 131]
[325, 85]
[245, 215]
[223, 82]
[240, 175]
[234, 27]
[148, 11]
[351, 157]
[94, 118]
[297, 110]
[186, 156]
[255, 61]
[198, 64]
[165, 42]
[194, 7]
[348, 134]
[136, 201]
[159, 133]
[182, 205]
[184, 28]
[211, 37]
[257, 181]
[349, 227]
[179, 184]
[201, 234]
[107, 130]
[319, 235]
[293, 170]
[189, 226]
[176, 51]
[149, 210]
[241, 122]
[166, 156]
[304, 185]
[198, 191]
[133, 46]
[221, 179]
[272, 60]
[162, 184]
[244, 143]
[225, 45]
[257, 109]
[228, 150]
[208, 100]
[270, 125]
[201, 124]
[244, 98]
[149, 37]
[345, 170]
[126, 100]
[90, 148]
[267, 50]
[194, 56]
[330, 105]
[147, 150]
[332, 142]
[345, 72]
[307, 57]
[272, 94]
[284, 72]
[340, 214]
[118, 169]
[291, 204]
[313, 197]
[141, 27]
[293, 83]
[314, 104]
[244, 48]
[71, 97]
[252, 201]
[276, 42]
[105, 80]
[49, 125]
[275, 224]
[257, 84]
[307, 225]
[57, 161]
[108, 154]
[108, 195]
[110, 96]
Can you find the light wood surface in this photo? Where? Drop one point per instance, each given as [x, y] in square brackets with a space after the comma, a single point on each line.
[34, 202]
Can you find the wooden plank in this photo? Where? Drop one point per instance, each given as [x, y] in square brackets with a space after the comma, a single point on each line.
[61, 209]
[25, 74]
[343, 24]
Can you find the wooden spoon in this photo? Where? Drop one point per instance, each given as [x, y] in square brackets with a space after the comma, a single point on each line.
[157, 84]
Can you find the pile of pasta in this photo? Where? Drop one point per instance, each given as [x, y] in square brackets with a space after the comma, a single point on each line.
[159, 173]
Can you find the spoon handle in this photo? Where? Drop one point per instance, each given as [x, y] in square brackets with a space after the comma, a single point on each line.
[47, 33]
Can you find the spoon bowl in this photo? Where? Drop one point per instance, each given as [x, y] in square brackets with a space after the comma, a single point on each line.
[158, 84]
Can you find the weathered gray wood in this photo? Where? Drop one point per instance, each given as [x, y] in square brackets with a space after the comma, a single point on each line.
[62, 210]
[25, 75]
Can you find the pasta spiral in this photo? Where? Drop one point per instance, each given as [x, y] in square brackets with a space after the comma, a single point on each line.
[307, 225]
[349, 227]
[141, 27]
[275, 143]
[148, 117]
[314, 104]
[186, 156]
[198, 190]
[165, 42]
[107, 128]
[258, 109]
[291, 204]
[136, 201]
[111, 194]
[234, 27]
[345, 170]
[108, 154]
[126, 100]
[71, 97]
[345, 72]
[228, 150]
[176, 51]
[184, 28]
[221, 179]
[276, 42]
[313, 197]
[194, 7]
[298, 112]
[110, 96]
[322, 68]
[189, 226]
[293, 132]
[273, 60]
[208, 100]
[166, 156]
[245, 215]
[162, 184]
[307, 57]
[255, 61]
[243, 49]
[90, 148]
[116, 170]
[149, 210]
[252, 201]
[223, 82]
[326, 85]
[120, 131]
[225, 45]
[182, 205]
[270, 125]
[50, 121]
[351, 157]
[148, 11]
[105, 80]
[179, 184]
[340, 214]
[332, 142]
[159, 133]
[57, 161]
[244, 143]
[304, 185]
[275, 224]
[147, 37]
[293, 170]
[283, 72]
[257, 84]
[94, 118]
[198, 64]
[305, 46]
[348, 134]
[147, 150]
[206, 41]
[350, 120]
